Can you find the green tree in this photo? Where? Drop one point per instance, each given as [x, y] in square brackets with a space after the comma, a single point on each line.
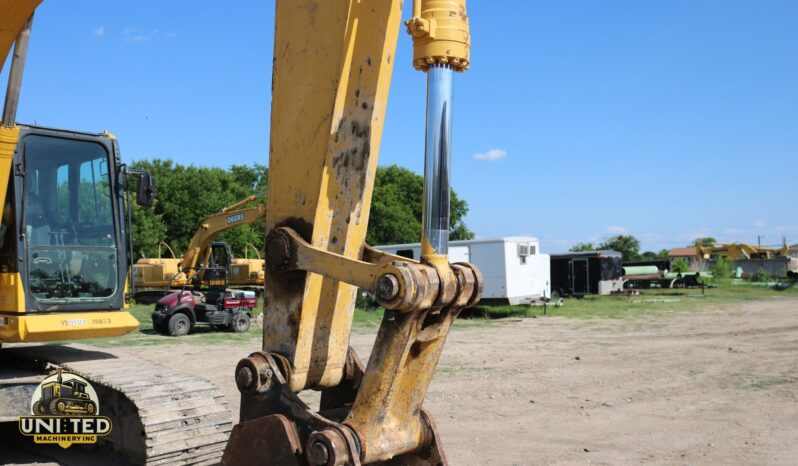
[663, 253]
[705, 241]
[582, 247]
[396, 209]
[649, 255]
[187, 194]
[680, 265]
[627, 245]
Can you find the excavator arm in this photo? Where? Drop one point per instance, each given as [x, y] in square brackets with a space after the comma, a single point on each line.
[212, 226]
[333, 61]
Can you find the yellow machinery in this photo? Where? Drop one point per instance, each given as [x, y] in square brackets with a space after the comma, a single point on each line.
[739, 251]
[152, 276]
[64, 261]
[332, 70]
[64, 258]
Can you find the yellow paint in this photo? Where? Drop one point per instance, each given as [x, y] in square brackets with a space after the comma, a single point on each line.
[333, 64]
[13, 16]
[440, 34]
[12, 294]
[65, 326]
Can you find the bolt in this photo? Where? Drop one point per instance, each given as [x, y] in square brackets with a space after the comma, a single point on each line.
[387, 287]
[244, 378]
[319, 454]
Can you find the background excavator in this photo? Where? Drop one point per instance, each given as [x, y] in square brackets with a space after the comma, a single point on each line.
[153, 278]
[332, 72]
[739, 251]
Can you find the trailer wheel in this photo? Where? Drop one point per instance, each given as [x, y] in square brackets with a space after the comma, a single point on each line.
[240, 323]
[179, 325]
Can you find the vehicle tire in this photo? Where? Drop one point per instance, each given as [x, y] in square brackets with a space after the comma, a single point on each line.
[240, 323]
[57, 407]
[91, 408]
[179, 325]
[39, 408]
[162, 329]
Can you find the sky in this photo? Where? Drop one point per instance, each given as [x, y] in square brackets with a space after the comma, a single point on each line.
[579, 120]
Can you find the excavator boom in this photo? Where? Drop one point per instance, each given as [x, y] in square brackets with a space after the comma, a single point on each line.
[332, 69]
[214, 225]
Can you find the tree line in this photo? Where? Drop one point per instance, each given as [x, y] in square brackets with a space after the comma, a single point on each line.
[187, 194]
[629, 247]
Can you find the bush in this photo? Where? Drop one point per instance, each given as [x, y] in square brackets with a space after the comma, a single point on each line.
[723, 268]
[680, 265]
[760, 276]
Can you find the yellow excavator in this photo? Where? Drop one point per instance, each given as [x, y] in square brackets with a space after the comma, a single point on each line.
[65, 256]
[333, 62]
[153, 278]
[739, 251]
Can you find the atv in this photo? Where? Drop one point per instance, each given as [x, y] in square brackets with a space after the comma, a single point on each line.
[217, 306]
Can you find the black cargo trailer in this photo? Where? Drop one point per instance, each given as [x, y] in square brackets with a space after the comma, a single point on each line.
[591, 272]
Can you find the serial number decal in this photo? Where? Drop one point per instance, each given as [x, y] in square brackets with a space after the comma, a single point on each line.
[104, 321]
[72, 322]
[235, 218]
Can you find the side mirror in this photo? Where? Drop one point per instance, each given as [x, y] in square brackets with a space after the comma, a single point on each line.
[145, 194]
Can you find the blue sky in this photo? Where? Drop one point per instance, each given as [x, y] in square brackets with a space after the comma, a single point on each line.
[578, 120]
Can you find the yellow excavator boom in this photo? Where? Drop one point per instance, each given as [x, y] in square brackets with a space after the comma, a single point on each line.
[332, 71]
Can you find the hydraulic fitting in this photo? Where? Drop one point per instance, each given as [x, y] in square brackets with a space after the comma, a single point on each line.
[440, 34]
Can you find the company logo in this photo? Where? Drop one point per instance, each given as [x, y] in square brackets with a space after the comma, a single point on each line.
[65, 410]
[235, 218]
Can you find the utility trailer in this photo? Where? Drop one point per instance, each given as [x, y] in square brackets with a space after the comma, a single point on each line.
[590, 272]
[513, 269]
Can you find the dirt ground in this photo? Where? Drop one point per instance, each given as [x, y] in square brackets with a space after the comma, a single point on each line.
[716, 386]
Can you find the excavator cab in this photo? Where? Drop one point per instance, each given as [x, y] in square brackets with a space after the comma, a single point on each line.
[64, 257]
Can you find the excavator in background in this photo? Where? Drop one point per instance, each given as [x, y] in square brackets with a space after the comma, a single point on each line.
[155, 278]
[65, 255]
[739, 251]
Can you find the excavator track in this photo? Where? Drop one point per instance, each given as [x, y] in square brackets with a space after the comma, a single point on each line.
[159, 417]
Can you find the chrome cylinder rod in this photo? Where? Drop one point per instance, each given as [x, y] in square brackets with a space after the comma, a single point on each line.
[15, 75]
[437, 160]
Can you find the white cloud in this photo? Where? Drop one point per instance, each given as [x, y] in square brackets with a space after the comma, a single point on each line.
[759, 223]
[616, 230]
[491, 155]
[99, 32]
[130, 37]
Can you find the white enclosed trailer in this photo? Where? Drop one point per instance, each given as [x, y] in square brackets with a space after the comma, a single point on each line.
[513, 269]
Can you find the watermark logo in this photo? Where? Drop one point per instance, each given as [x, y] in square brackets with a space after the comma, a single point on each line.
[65, 410]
